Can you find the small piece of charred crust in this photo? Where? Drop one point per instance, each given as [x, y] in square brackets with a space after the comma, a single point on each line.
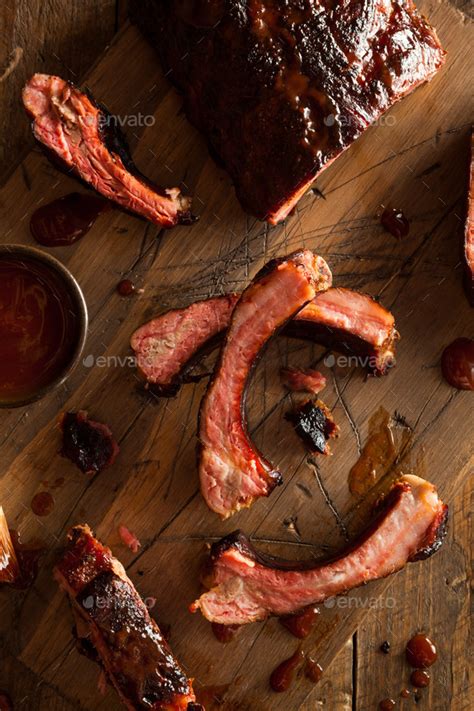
[314, 423]
[89, 445]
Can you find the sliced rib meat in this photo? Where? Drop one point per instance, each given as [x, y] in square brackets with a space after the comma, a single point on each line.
[304, 380]
[281, 89]
[349, 322]
[168, 345]
[84, 138]
[128, 643]
[469, 232]
[232, 472]
[9, 568]
[246, 586]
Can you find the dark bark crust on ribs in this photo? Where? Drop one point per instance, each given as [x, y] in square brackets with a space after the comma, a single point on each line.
[125, 639]
[275, 84]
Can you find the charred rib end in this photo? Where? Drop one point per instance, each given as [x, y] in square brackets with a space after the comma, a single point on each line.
[434, 537]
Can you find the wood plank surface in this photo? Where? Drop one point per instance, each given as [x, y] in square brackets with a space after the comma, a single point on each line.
[415, 158]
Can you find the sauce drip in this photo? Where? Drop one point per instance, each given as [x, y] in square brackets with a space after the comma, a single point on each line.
[385, 647]
[420, 678]
[457, 364]
[29, 555]
[387, 705]
[421, 652]
[378, 454]
[283, 675]
[301, 624]
[39, 327]
[5, 701]
[395, 222]
[224, 633]
[405, 693]
[126, 287]
[312, 670]
[42, 503]
[67, 219]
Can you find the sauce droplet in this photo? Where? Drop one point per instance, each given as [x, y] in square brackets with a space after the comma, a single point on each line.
[420, 678]
[385, 647]
[421, 652]
[405, 693]
[457, 364]
[395, 222]
[283, 675]
[387, 705]
[5, 701]
[42, 503]
[312, 670]
[301, 624]
[126, 287]
[67, 219]
[224, 633]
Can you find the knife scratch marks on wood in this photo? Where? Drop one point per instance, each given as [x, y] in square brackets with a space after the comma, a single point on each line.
[317, 474]
[347, 413]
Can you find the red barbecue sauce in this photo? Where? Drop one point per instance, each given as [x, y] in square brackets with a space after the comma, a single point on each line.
[420, 678]
[126, 287]
[5, 701]
[282, 676]
[387, 705]
[312, 670]
[395, 222]
[224, 633]
[39, 327]
[42, 503]
[67, 219]
[301, 624]
[457, 364]
[421, 652]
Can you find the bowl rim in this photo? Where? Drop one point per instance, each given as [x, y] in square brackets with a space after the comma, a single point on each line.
[72, 285]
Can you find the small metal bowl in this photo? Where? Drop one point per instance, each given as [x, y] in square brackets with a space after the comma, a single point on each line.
[75, 292]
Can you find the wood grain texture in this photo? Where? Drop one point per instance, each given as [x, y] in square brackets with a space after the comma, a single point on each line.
[415, 160]
[44, 35]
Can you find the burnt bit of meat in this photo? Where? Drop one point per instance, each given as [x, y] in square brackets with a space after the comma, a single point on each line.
[245, 585]
[113, 620]
[89, 445]
[282, 89]
[314, 423]
[83, 138]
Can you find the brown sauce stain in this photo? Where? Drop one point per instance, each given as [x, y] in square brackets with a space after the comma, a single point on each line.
[312, 670]
[387, 705]
[420, 678]
[42, 503]
[301, 624]
[378, 454]
[421, 652]
[224, 633]
[66, 220]
[283, 675]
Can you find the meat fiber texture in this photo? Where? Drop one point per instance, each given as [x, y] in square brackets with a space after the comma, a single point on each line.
[282, 89]
[246, 586]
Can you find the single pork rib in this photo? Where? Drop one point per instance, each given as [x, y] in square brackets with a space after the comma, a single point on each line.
[83, 138]
[167, 346]
[232, 472]
[117, 629]
[281, 89]
[246, 586]
[469, 231]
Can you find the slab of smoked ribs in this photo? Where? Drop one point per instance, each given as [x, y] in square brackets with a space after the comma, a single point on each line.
[280, 89]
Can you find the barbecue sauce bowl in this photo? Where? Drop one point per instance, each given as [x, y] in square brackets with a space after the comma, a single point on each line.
[43, 324]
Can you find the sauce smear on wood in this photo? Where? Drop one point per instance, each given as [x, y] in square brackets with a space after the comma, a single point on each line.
[421, 652]
[283, 675]
[395, 222]
[301, 624]
[67, 219]
[42, 503]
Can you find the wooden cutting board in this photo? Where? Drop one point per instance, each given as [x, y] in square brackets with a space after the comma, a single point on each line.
[415, 158]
